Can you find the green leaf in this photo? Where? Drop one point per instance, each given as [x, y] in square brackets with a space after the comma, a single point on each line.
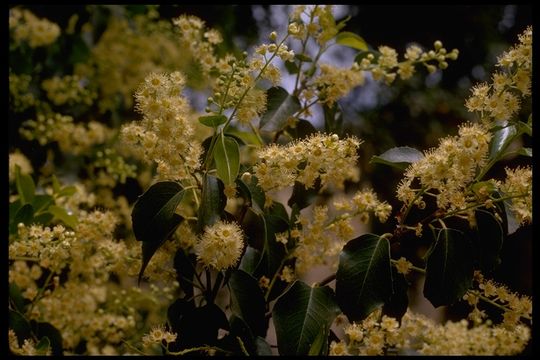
[42, 346]
[20, 325]
[303, 197]
[61, 214]
[67, 191]
[351, 40]
[333, 118]
[364, 276]
[213, 120]
[511, 220]
[154, 218]
[247, 301]
[41, 202]
[227, 157]
[15, 298]
[490, 237]
[449, 269]
[303, 57]
[320, 344]
[398, 157]
[55, 184]
[398, 303]
[299, 314]
[254, 192]
[213, 202]
[24, 215]
[13, 209]
[275, 251]
[280, 107]
[185, 264]
[43, 329]
[25, 187]
[250, 260]
[526, 151]
[291, 67]
[262, 347]
[501, 139]
[301, 129]
[525, 128]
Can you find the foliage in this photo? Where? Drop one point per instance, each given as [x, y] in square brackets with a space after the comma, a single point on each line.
[220, 248]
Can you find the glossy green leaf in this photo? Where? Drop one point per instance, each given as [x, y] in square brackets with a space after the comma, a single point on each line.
[398, 303]
[43, 346]
[55, 184]
[364, 276]
[303, 57]
[213, 120]
[351, 40]
[398, 157]
[227, 158]
[213, 202]
[280, 107]
[24, 215]
[20, 325]
[154, 218]
[41, 202]
[184, 265]
[449, 269]
[301, 129]
[303, 197]
[250, 260]
[490, 237]
[254, 193]
[16, 299]
[501, 139]
[262, 347]
[25, 187]
[320, 344]
[247, 301]
[291, 67]
[44, 329]
[67, 191]
[525, 128]
[333, 118]
[299, 314]
[526, 151]
[61, 214]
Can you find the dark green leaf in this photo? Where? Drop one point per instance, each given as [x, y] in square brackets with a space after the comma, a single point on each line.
[25, 187]
[526, 151]
[247, 301]
[41, 202]
[301, 129]
[13, 209]
[256, 194]
[398, 303]
[333, 119]
[67, 191]
[291, 67]
[449, 268]
[15, 298]
[42, 329]
[303, 197]
[20, 325]
[299, 314]
[213, 202]
[501, 139]
[511, 221]
[43, 346]
[364, 276]
[227, 157]
[303, 57]
[185, 270]
[525, 128]
[24, 215]
[262, 347]
[154, 218]
[274, 250]
[398, 157]
[351, 40]
[250, 260]
[320, 344]
[213, 120]
[55, 184]
[280, 107]
[490, 237]
[43, 218]
[62, 215]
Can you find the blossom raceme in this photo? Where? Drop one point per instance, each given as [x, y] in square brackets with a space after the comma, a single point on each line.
[220, 246]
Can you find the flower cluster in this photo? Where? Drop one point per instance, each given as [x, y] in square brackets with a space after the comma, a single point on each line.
[501, 99]
[27, 27]
[220, 246]
[115, 165]
[384, 65]
[383, 335]
[333, 83]
[518, 186]
[320, 25]
[320, 156]
[72, 137]
[69, 89]
[18, 159]
[448, 169]
[157, 335]
[166, 116]
[19, 92]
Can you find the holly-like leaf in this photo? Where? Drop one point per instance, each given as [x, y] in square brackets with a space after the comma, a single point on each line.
[250, 260]
[398, 303]
[489, 239]
[364, 276]
[213, 120]
[351, 40]
[61, 214]
[280, 107]
[320, 344]
[299, 314]
[213, 202]
[398, 157]
[227, 158]
[449, 269]
[501, 139]
[25, 186]
[154, 218]
[247, 301]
